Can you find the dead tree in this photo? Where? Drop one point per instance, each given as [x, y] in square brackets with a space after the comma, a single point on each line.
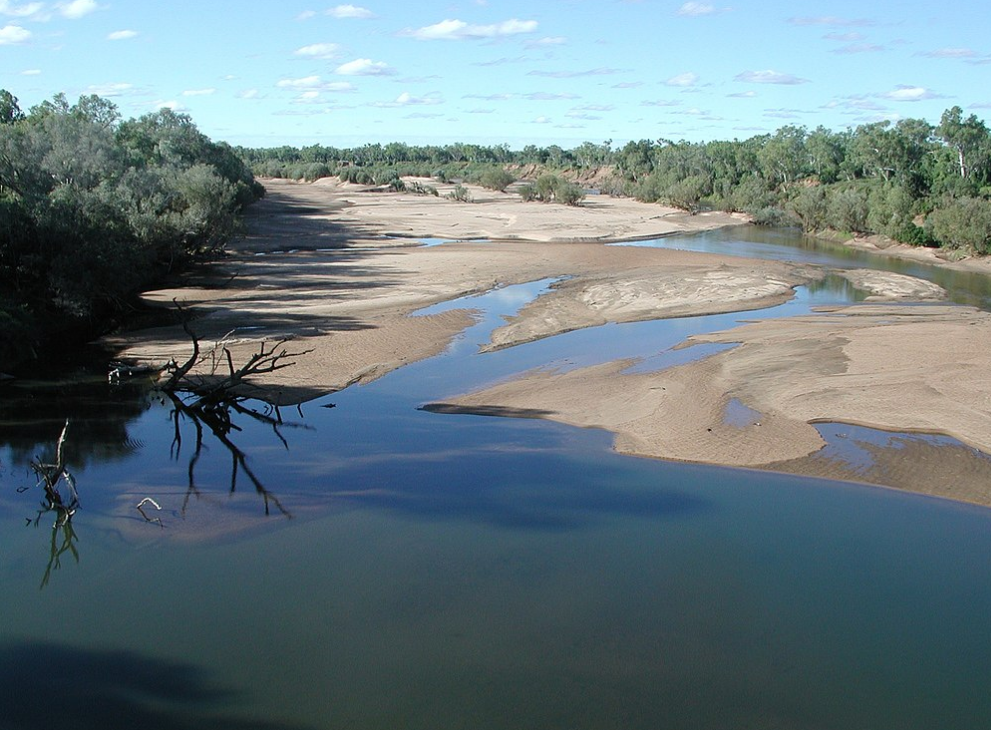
[50, 478]
[207, 390]
[203, 376]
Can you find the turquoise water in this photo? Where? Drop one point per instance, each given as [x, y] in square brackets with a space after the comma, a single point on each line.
[425, 570]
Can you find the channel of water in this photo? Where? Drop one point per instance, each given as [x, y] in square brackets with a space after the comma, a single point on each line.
[425, 570]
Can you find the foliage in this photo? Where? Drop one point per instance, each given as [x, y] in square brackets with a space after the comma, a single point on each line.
[554, 188]
[93, 209]
[496, 178]
[963, 223]
[460, 194]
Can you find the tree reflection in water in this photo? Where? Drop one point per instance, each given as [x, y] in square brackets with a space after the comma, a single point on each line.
[216, 415]
[52, 476]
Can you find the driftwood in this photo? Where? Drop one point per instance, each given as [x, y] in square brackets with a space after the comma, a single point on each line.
[205, 376]
[208, 390]
[50, 478]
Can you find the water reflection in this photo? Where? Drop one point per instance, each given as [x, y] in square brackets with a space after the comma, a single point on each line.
[218, 418]
[60, 499]
[32, 414]
[484, 572]
[782, 244]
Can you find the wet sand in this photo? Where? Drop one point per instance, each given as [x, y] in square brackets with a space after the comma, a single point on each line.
[331, 268]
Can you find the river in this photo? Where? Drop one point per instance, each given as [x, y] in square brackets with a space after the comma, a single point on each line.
[425, 570]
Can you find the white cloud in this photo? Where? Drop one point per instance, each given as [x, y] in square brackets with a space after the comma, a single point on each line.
[696, 9]
[548, 96]
[660, 102]
[31, 72]
[456, 30]
[248, 94]
[364, 67]
[306, 15]
[11, 34]
[77, 8]
[851, 37]
[173, 105]
[950, 53]
[685, 79]
[319, 50]
[859, 48]
[306, 82]
[501, 61]
[118, 89]
[743, 95]
[542, 120]
[20, 11]
[350, 11]
[407, 99]
[575, 74]
[832, 20]
[557, 40]
[628, 85]
[315, 83]
[199, 92]
[911, 93]
[307, 97]
[769, 77]
[122, 35]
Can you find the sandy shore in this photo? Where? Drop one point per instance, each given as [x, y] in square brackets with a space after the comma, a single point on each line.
[332, 268]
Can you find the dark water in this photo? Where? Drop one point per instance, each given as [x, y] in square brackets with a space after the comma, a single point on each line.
[420, 570]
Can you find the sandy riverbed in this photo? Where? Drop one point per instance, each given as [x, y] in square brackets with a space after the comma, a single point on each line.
[330, 267]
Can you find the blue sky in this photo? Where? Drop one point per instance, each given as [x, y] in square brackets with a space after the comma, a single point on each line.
[267, 73]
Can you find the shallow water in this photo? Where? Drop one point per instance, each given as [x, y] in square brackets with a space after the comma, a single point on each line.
[432, 570]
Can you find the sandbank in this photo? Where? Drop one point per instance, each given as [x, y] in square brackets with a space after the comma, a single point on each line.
[337, 270]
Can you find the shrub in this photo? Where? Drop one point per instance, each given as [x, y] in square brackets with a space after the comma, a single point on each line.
[496, 178]
[963, 223]
[569, 193]
[847, 210]
[460, 194]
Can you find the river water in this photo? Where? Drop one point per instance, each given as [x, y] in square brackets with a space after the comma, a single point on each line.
[425, 570]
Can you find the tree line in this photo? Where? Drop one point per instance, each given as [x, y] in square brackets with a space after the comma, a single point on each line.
[95, 208]
[912, 181]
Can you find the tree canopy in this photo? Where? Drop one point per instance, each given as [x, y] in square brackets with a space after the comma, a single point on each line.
[94, 208]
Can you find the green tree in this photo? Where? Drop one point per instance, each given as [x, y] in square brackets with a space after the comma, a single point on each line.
[963, 223]
[969, 140]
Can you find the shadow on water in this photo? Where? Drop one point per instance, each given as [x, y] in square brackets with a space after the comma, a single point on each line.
[55, 686]
[32, 414]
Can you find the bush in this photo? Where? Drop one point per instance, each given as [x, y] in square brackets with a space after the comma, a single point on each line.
[963, 223]
[418, 188]
[687, 193]
[809, 207]
[847, 210]
[569, 193]
[496, 178]
[460, 194]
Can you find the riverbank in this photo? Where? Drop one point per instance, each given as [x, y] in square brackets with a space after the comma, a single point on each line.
[333, 268]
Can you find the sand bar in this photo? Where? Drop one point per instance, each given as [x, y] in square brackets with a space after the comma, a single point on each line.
[332, 268]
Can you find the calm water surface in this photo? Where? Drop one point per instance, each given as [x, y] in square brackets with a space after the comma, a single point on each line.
[419, 570]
